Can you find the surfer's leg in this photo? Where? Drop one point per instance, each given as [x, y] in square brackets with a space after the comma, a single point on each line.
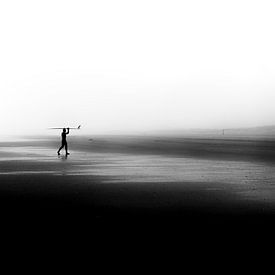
[66, 148]
[58, 152]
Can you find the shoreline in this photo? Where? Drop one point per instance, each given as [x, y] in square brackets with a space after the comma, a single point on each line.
[139, 178]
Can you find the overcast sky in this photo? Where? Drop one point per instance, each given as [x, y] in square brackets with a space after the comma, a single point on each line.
[136, 65]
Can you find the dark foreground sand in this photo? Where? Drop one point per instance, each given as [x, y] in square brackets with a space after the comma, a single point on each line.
[138, 178]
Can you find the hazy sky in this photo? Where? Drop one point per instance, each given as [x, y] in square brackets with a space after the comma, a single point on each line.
[136, 65]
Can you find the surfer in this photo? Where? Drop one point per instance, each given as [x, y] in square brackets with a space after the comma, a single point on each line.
[64, 141]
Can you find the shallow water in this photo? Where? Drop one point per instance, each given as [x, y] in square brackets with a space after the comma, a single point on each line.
[251, 180]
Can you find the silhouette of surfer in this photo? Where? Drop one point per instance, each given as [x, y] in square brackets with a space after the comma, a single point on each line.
[64, 141]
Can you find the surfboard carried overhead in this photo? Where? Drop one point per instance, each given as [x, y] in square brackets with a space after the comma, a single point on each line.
[59, 128]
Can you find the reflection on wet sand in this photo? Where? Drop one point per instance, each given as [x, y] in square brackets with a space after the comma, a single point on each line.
[153, 179]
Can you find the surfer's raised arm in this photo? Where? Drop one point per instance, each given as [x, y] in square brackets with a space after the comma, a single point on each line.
[68, 131]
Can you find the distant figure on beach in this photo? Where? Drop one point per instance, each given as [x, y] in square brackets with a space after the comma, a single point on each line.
[64, 141]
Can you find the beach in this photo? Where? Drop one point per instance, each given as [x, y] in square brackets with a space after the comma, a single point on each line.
[133, 176]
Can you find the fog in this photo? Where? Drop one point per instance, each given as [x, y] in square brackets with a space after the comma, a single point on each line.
[136, 66]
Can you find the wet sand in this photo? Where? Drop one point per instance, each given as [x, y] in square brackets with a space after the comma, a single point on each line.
[139, 177]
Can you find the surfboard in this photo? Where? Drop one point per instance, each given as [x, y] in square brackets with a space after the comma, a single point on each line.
[60, 128]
